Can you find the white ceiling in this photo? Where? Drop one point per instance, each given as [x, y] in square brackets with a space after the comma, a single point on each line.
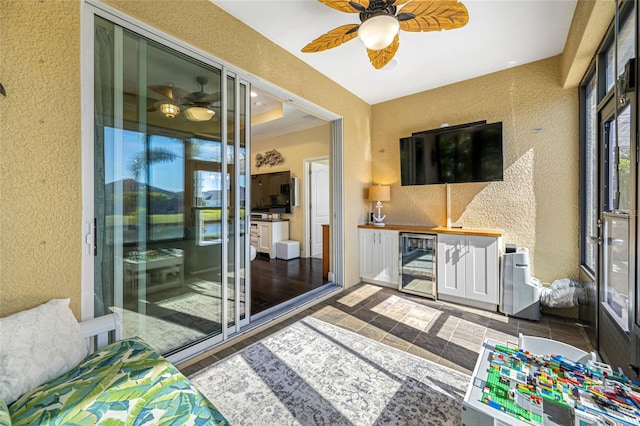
[500, 34]
[292, 120]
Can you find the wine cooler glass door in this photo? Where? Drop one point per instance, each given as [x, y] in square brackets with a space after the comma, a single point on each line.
[418, 264]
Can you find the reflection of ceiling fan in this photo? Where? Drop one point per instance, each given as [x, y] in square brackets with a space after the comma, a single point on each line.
[196, 106]
[380, 23]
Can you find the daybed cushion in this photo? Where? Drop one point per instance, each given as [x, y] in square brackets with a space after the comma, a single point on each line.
[5, 419]
[125, 383]
[37, 345]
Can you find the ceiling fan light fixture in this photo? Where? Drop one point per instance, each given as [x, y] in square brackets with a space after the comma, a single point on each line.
[169, 110]
[378, 31]
[197, 113]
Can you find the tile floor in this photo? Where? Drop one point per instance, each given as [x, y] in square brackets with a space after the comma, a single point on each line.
[442, 332]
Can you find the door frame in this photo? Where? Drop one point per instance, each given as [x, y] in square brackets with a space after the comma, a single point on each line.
[308, 199]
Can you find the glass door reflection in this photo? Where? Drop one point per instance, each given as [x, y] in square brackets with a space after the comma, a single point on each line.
[168, 200]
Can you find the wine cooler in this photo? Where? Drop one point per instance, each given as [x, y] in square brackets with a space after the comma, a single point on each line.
[418, 264]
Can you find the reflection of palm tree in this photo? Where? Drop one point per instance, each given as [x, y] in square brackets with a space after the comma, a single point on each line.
[152, 156]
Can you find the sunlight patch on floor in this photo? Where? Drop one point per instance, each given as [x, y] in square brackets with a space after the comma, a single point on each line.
[359, 295]
[414, 322]
[501, 318]
[442, 325]
[397, 308]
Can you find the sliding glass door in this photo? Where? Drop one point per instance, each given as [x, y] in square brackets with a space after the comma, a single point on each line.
[169, 195]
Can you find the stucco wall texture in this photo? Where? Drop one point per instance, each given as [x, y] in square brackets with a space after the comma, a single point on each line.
[537, 203]
[40, 184]
[40, 157]
[295, 148]
[41, 142]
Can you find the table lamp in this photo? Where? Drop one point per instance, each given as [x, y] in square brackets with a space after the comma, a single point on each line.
[379, 193]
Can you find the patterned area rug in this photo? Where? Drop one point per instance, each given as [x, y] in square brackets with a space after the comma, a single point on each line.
[314, 373]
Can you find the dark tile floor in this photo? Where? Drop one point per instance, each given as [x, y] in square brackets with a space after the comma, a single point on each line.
[445, 333]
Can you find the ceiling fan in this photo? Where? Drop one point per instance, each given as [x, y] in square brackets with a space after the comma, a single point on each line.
[196, 106]
[381, 20]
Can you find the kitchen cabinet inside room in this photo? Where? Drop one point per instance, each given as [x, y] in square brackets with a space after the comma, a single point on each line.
[265, 234]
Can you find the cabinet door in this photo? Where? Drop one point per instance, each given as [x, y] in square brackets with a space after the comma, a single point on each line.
[264, 237]
[451, 264]
[482, 269]
[368, 254]
[389, 247]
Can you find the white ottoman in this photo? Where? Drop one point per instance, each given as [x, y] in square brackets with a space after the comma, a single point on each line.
[287, 249]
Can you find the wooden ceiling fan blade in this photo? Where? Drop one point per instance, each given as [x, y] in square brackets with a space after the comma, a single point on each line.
[170, 92]
[346, 6]
[332, 39]
[434, 15]
[212, 97]
[380, 58]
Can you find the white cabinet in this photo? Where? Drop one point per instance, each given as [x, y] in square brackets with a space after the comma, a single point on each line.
[468, 270]
[265, 235]
[379, 251]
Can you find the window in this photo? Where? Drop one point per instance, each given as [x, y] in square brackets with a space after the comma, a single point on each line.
[208, 187]
[625, 41]
[589, 185]
[609, 67]
[620, 165]
[205, 164]
[165, 169]
[616, 272]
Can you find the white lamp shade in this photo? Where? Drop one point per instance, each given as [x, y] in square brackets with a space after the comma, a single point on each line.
[170, 110]
[380, 193]
[196, 113]
[379, 31]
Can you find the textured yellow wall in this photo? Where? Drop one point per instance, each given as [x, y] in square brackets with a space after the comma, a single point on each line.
[40, 185]
[40, 143]
[295, 148]
[537, 203]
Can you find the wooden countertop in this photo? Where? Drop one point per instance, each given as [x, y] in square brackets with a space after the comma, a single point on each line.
[437, 230]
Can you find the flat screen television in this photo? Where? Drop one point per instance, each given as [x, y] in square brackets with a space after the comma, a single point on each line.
[271, 192]
[460, 154]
